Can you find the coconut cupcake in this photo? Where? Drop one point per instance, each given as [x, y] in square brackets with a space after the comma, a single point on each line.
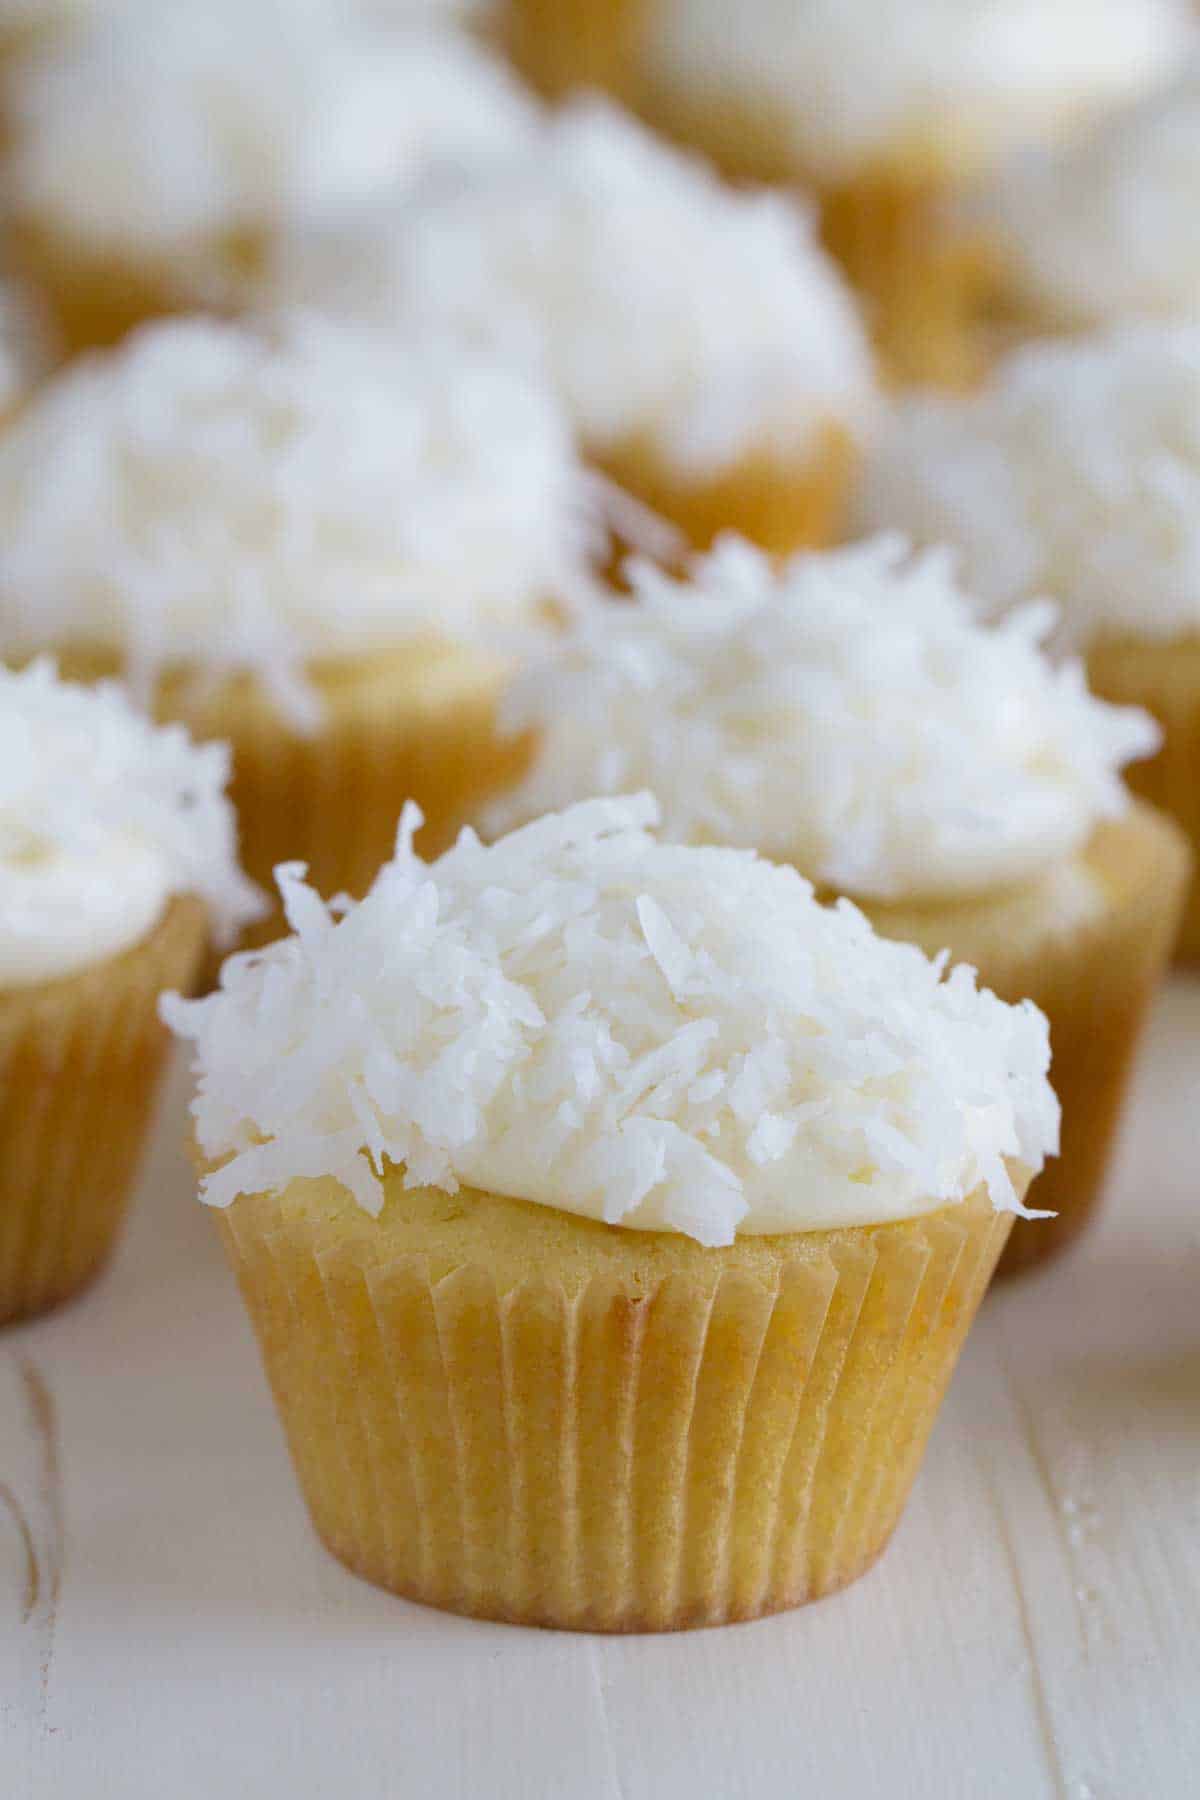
[1106, 229]
[156, 154]
[1076, 473]
[303, 540]
[611, 1215]
[118, 865]
[890, 110]
[704, 347]
[846, 714]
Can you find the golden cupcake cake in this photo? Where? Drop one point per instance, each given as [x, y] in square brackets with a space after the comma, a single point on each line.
[889, 112]
[306, 541]
[846, 714]
[155, 154]
[1102, 230]
[706, 350]
[118, 867]
[1076, 473]
[611, 1215]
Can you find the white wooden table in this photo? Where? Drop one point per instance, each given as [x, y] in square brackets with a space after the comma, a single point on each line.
[170, 1629]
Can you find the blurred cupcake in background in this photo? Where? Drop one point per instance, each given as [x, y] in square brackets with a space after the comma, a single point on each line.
[1105, 229]
[562, 45]
[611, 1216]
[846, 714]
[118, 867]
[888, 109]
[156, 153]
[1076, 473]
[706, 350]
[305, 540]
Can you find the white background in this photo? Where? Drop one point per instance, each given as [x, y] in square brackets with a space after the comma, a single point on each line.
[169, 1628]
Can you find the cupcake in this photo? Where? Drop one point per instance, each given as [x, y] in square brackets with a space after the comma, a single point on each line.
[889, 109]
[584, 44]
[303, 540]
[702, 344]
[118, 865]
[1076, 473]
[611, 1215]
[156, 154]
[844, 713]
[1103, 230]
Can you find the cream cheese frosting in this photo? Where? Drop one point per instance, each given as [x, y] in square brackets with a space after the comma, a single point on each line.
[1108, 228]
[660, 304]
[103, 817]
[849, 82]
[168, 126]
[844, 711]
[1075, 472]
[227, 497]
[662, 1037]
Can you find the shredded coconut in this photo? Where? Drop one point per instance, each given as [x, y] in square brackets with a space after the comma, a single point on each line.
[1108, 228]
[666, 1038]
[166, 125]
[849, 80]
[1076, 473]
[659, 302]
[253, 497]
[85, 780]
[844, 711]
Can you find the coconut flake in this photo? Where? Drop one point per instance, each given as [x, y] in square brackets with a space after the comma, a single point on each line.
[843, 710]
[256, 496]
[661, 1037]
[1075, 472]
[84, 780]
[659, 303]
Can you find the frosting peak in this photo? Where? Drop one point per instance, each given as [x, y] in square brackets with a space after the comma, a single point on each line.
[579, 1016]
[844, 711]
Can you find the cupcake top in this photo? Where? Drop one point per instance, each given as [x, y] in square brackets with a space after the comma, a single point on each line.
[660, 303]
[1075, 473]
[842, 711]
[855, 82]
[103, 817]
[228, 497]
[1108, 229]
[169, 127]
[580, 1016]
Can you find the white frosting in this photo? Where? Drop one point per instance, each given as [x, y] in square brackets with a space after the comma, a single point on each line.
[1108, 228]
[661, 1037]
[103, 816]
[848, 81]
[1076, 473]
[160, 129]
[659, 302]
[230, 496]
[843, 711]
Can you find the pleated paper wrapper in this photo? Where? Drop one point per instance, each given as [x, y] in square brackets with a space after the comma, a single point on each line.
[80, 1061]
[636, 1433]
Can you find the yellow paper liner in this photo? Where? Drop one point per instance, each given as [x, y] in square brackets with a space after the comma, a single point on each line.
[1165, 679]
[783, 504]
[1094, 982]
[79, 1067]
[585, 44]
[501, 1410]
[414, 724]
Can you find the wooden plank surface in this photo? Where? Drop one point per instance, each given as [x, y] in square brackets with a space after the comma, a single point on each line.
[169, 1627]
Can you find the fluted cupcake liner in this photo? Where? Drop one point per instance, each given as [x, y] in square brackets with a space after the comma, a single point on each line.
[501, 1410]
[587, 44]
[921, 282]
[1164, 678]
[80, 1061]
[781, 503]
[1094, 979]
